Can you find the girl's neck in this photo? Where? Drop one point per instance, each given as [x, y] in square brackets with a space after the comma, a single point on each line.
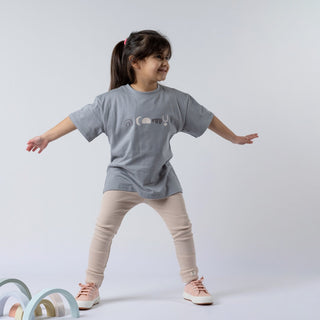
[144, 87]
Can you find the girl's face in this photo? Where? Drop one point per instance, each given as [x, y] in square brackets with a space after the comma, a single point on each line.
[153, 68]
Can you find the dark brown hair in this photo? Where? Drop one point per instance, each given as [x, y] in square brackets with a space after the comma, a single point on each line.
[140, 44]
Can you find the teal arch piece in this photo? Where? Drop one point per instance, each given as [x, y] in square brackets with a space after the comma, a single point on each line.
[23, 288]
[29, 310]
[22, 299]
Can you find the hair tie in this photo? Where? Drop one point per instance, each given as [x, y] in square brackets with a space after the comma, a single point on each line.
[125, 41]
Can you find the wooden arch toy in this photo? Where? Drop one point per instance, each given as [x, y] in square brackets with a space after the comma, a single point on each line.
[23, 300]
[21, 285]
[54, 308]
[29, 307]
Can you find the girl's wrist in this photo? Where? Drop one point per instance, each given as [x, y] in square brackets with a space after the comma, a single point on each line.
[234, 139]
[45, 136]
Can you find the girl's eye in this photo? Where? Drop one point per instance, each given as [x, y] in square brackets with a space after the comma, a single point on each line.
[160, 57]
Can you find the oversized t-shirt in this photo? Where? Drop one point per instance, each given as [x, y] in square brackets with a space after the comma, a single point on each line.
[139, 126]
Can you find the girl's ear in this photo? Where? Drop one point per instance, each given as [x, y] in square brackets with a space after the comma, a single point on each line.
[134, 62]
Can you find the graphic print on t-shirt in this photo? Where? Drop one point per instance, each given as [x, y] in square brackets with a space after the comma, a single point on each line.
[128, 123]
[147, 120]
[141, 121]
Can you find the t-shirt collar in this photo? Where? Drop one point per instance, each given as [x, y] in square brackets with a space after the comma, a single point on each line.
[136, 92]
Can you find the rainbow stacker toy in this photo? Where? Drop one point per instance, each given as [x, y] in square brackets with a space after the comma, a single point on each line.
[29, 307]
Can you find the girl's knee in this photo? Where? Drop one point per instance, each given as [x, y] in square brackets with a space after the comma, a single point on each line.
[183, 231]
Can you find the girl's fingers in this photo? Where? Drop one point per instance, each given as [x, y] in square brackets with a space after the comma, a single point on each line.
[30, 146]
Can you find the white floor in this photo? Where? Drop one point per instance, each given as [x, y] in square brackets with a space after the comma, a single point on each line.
[241, 296]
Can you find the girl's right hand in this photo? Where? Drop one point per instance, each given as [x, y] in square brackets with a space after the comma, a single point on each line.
[37, 142]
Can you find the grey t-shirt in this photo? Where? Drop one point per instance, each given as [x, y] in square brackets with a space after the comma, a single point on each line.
[139, 126]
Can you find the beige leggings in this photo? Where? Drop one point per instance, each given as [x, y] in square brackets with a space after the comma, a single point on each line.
[115, 204]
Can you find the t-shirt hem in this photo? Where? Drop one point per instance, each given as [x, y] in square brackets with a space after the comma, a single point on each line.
[144, 194]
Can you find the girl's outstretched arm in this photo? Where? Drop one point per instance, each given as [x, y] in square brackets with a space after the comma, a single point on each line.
[41, 142]
[219, 128]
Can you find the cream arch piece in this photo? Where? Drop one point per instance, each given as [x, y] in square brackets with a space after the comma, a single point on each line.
[58, 303]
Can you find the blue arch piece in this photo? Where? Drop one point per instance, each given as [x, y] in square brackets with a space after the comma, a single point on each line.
[22, 299]
[23, 288]
[29, 311]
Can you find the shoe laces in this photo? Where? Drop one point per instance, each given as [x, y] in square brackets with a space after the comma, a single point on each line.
[198, 285]
[85, 289]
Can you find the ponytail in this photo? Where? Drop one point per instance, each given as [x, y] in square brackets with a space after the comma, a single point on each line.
[119, 74]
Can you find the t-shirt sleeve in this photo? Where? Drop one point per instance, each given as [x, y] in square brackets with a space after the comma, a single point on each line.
[197, 118]
[89, 119]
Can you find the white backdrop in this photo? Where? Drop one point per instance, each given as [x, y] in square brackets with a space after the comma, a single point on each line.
[254, 64]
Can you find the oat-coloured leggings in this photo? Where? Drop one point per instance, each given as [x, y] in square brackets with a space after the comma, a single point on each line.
[115, 204]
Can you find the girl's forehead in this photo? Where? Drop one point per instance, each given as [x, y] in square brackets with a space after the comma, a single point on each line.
[163, 51]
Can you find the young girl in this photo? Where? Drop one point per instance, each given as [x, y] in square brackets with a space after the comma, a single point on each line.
[139, 117]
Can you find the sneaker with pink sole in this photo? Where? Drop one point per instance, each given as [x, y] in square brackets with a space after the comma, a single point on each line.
[87, 296]
[196, 292]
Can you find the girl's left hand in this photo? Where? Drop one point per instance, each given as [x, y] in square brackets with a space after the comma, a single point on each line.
[245, 139]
